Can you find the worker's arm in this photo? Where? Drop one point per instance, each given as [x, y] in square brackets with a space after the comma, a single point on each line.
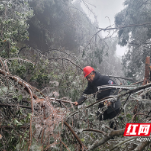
[88, 90]
[80, 101]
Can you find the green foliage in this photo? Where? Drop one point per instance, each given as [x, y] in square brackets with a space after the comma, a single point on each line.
[137, 38]
[136, 12]
[99, 54]
[13, 20]
[14, 27]
[64, 28]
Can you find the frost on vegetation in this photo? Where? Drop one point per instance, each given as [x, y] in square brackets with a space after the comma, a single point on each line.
[47, 119]
[55, 83]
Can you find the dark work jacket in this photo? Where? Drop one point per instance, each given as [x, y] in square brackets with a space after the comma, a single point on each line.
[92, 88]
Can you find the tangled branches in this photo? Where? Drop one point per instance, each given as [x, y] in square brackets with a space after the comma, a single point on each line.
[20, 104]
[54, 123]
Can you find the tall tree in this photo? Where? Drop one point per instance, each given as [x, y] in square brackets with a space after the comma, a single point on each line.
[137, 14]
[13, 17]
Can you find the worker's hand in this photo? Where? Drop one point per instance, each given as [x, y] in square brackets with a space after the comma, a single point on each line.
[107, 103]
[75, 103]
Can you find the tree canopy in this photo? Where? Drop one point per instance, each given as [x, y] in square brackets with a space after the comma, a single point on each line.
[137, 36]
[44, 44]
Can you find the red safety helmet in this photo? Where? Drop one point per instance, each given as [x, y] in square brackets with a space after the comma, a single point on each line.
[87, 70]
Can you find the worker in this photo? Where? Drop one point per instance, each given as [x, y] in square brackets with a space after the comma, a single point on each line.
[95, 79]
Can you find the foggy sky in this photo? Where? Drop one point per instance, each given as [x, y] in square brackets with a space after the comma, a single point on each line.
[103, 8]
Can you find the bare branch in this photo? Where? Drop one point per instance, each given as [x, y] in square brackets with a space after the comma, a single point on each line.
[67, 60]
[10, 105]
[24, 60]
[78, 139]
[94, 130]
[105, 139]
[131, 25]
[130, 79]
[64, 145]
[142, 146]
[122, 143]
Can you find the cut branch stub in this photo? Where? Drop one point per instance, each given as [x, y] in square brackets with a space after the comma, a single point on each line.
[147, 71]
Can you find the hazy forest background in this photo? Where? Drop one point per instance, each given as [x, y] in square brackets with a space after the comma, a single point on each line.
[44, 44]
